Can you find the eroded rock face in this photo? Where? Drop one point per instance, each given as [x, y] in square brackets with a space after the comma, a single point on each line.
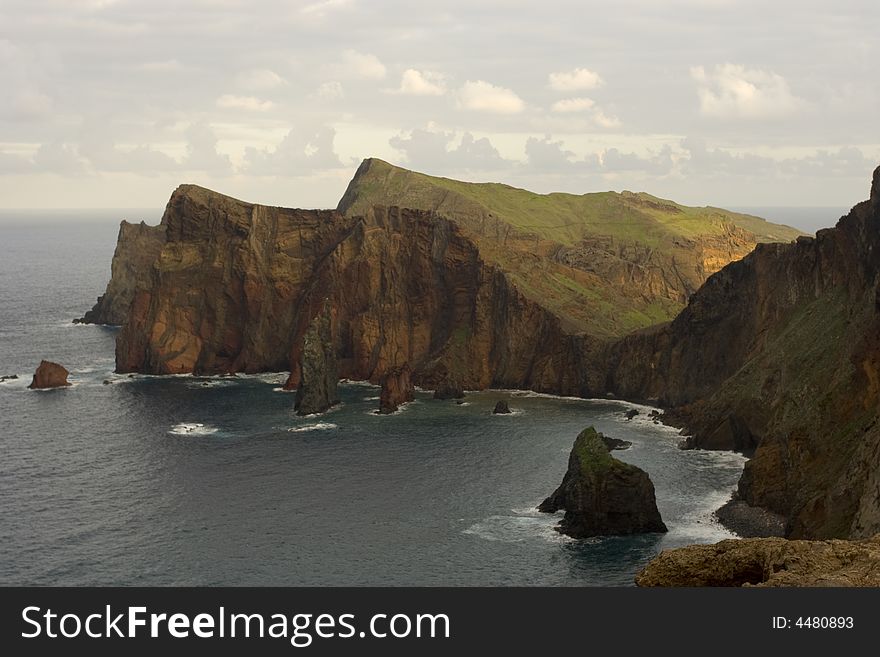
[602, 495]
[777, 355]
[319, 378]
[137, 248]
[49, 375]
[767, 562]
[397, 389]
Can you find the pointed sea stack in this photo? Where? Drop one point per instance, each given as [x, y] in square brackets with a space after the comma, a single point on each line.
[316, 391]
[397, 389]
[601, 495]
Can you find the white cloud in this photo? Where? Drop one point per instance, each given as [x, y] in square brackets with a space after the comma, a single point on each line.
[482, 96]
[259, 79]
[363, 65]
[604, 120]
[30, 104]
[322, 7]
[731, 91]
[573, 105]
[582, 105]
[422, 83]
[578, 79]
[331, 90]
[249, 103]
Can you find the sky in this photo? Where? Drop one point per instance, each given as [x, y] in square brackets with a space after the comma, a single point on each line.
[113, 103]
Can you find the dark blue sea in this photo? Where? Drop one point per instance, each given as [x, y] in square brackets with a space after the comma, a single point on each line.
[191, 481]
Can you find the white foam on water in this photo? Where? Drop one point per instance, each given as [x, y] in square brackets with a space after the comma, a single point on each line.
[376, 398]
[210, 383]
[283, 389]
[192, 429]
[524, 524]
[318, 426]
[276, 378]
[360, 384]
[400, 409]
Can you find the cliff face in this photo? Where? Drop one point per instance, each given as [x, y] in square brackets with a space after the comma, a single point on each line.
[767, 562]
[778, 353]
[602, 495]
[603, 263]
[137, 248]
[236, 285]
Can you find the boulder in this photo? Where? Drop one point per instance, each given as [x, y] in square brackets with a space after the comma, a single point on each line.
[397, 389]
[615, 443]
[8, 377]
[630, 414]
[49, 375]
[767, 562]
[501, 408]
[318, 380]
[449, 390]
[602, 495]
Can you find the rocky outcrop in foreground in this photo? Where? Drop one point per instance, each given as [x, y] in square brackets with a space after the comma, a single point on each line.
[49, 375]
[767, 562]
[317, 390]
[397, 389]
[602, 495]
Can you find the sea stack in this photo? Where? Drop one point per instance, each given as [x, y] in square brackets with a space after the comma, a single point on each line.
[317, 386]
[397, 389]
[602, 495]
[49, 375]
[501, 408]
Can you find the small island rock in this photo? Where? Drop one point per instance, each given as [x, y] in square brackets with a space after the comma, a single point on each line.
[397, 389]
[602, 495]
[501, 408]
[49, 375]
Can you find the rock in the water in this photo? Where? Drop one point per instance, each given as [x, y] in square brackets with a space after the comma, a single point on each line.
[630, 414]
[614, 443]
[501, 408]
[767, 562]
[449, 390]
[318, 379]
[397, 389]
[8, 377]
[601, 495]
[49, 375]
[105, 382]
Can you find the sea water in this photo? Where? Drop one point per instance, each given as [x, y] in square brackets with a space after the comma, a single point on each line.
[186, 480]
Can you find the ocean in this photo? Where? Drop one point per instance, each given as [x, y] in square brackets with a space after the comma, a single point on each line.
[215, 481]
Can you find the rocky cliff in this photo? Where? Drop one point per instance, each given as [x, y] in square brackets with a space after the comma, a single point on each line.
[777, 355]
[602, 495]
[767, 562]
[137, 248]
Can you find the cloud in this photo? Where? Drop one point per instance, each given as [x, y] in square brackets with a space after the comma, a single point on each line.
[14, 164]
[713, 162]
[363, 65]
[202, 152]
[259, 79]
[432, 150]
[578, 79]
[301, 152]
[546, 155]
[660, 164]
[99, 146]
[568, 105]
[731, 91]
[249, 103]
[323, 7]
[422, 83]
[28, 104]
[58, 157]
[327, 91]
[481, 96]
[605, 120]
